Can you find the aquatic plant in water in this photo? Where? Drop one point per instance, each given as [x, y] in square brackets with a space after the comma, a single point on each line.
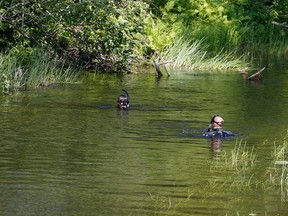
[278, 171]
[234, 170]
[164, 205]
[237, 164]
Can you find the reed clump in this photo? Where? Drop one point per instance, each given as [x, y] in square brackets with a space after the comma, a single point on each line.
[31, 69]
[278, 171]
[189, 54]
[8, 68]
[240, 158]
[238, 164]
[44, 70]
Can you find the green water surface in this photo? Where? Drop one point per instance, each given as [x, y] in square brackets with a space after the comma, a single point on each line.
[67, 150]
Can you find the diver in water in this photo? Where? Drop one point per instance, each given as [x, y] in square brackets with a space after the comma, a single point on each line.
[215, 128]
[123, 100]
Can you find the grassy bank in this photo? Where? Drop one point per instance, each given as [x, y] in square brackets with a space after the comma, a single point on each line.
[217, 46]
[195, 54]
[32, 68]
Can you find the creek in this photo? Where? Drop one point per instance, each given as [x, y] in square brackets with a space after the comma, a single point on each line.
[67, 150]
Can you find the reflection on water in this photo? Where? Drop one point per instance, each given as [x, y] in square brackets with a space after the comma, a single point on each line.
[69, 151]
[216, 148]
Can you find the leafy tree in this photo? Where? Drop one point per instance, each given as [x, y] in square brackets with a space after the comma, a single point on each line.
[231, 24]
[93, 34]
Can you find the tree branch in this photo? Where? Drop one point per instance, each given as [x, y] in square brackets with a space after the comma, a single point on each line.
[158, 64]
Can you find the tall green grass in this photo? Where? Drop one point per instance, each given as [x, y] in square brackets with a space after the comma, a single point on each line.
[237, 165]
[8, 68]
[237, 168]
[32, 68]
[269, 40]
[44, 69]
[222, 46]
[278, 172]
[194, 54]
[242, 158]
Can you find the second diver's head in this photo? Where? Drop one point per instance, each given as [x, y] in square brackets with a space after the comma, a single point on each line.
[123, 101]
[216, 122]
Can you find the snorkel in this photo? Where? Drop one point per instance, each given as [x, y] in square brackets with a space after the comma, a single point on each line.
[128, 98]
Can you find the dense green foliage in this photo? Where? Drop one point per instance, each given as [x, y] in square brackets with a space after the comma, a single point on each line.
[245, 25]
[107, 35]
[90, 33]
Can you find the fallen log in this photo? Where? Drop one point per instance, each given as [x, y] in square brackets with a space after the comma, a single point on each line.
[257, 76]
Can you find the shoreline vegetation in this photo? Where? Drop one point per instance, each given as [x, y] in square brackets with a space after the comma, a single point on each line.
[48, 43]
[36, 69]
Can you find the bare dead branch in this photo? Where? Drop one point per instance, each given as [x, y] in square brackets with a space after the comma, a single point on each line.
[166, 71]
[166, 62]
[158, 64]
[157, 67]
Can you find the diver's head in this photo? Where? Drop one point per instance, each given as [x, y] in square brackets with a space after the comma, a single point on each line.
[216, 122]
[123, 102]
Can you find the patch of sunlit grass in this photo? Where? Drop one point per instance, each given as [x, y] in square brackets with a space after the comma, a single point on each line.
[8, 73]
[32, 69]
[194, 55]
[236, 166]
[278, 171]
[239, 159]
[43, 70]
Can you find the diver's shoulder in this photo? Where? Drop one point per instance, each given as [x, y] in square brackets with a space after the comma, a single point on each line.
[218, 133]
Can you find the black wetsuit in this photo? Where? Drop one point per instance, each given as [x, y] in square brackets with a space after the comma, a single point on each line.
[218, 133]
